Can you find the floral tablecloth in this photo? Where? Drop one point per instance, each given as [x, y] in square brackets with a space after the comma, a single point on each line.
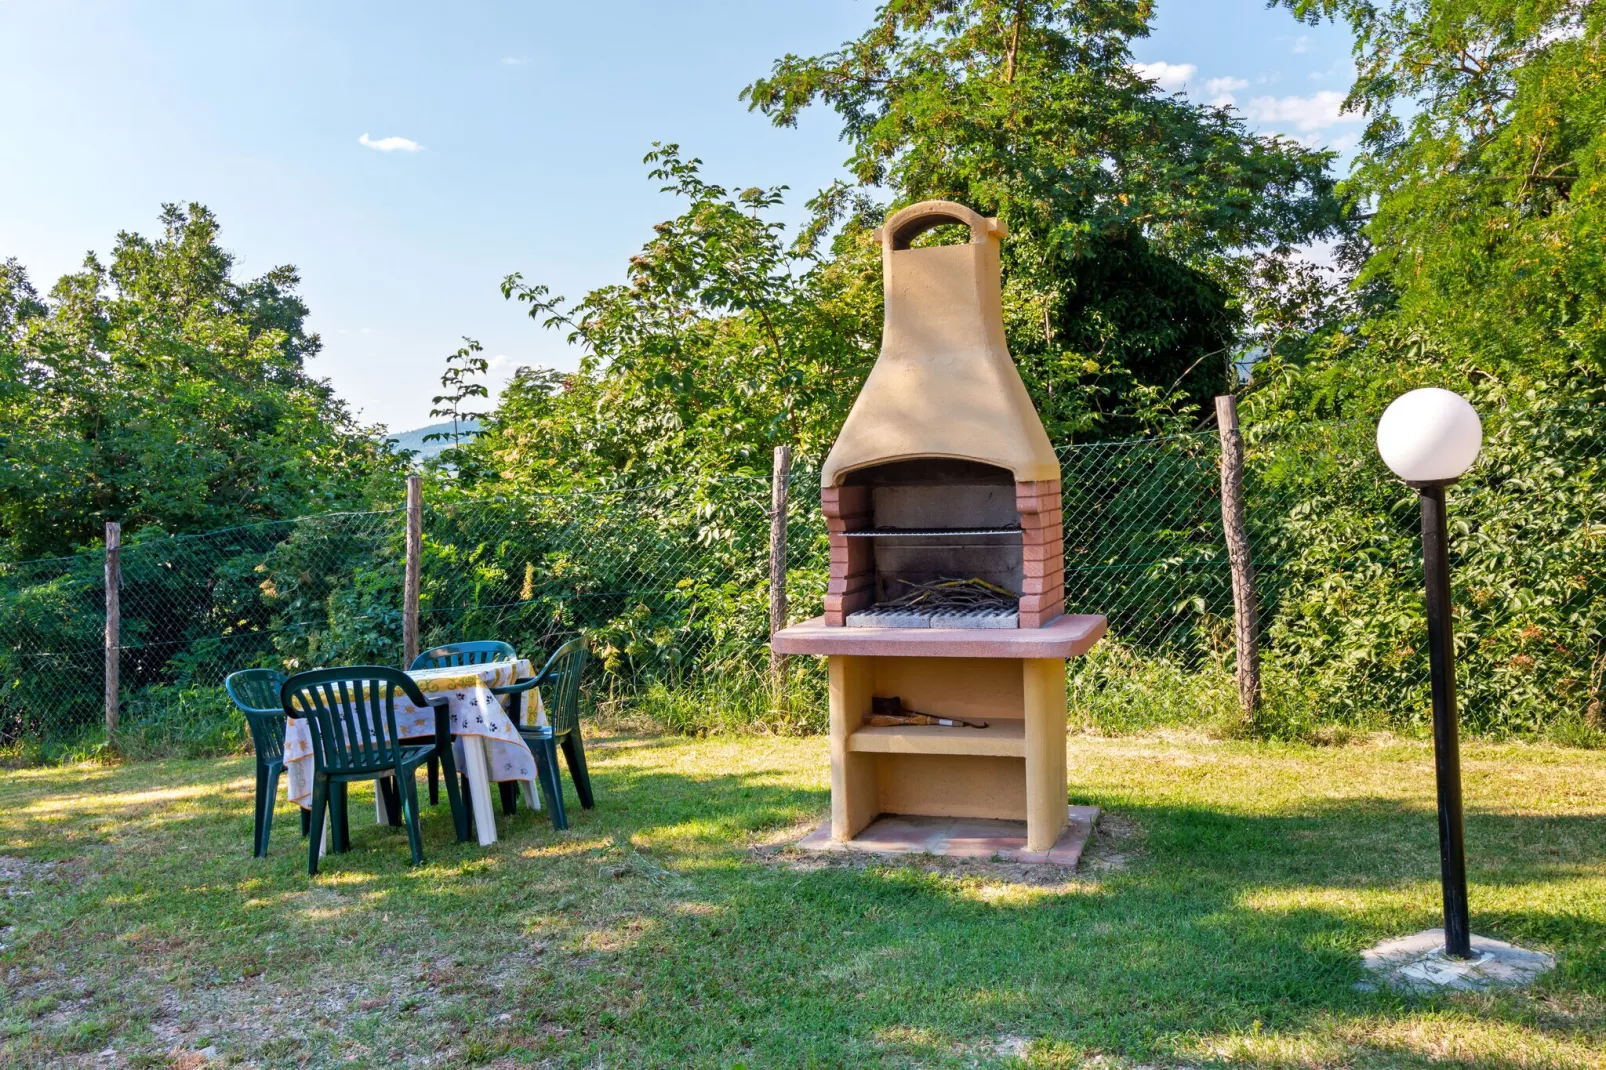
[474, 712]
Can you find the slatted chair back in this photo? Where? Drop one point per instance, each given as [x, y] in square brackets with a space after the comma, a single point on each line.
[255, 692]
[560, 681]
[456, 654]
[351, 714]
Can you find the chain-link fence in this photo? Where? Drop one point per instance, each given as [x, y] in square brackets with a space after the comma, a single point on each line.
[670, 585]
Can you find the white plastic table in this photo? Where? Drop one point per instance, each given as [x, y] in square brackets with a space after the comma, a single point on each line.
[491, 748]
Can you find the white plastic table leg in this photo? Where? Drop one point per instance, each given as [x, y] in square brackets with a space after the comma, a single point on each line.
[479, 786]
[532, 798]
[381, 811]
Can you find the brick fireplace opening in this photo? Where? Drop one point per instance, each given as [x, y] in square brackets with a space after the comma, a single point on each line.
[898, 526]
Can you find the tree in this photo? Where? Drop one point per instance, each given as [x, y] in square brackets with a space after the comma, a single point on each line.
[459, 380]
[1482, 168]
[1481, 269]
[159, 390]
[725, 342]
[1135, 216]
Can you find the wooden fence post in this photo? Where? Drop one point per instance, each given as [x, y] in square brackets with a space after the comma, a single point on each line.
[415, 561]
[114, 621]
[778, 480]
[1246, 609]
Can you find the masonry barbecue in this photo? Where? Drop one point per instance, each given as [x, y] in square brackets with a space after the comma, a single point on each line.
[946, 589]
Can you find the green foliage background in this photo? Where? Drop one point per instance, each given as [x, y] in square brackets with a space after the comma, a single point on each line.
[1153, 263]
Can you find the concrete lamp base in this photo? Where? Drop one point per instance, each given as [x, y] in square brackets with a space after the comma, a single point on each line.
[1418, 963]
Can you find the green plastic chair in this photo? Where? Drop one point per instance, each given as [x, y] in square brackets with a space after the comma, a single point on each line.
[453, 655]
[351, 715]
[255, 693]
[562, 674]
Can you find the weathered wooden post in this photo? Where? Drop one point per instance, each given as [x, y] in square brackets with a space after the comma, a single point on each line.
[415, 560]
[114, 620]
[778, 480]
[1245, 606]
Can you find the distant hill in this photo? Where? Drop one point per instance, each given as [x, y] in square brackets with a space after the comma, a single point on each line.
[414, 439]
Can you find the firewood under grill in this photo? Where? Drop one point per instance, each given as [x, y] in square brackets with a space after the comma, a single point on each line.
[943, 603]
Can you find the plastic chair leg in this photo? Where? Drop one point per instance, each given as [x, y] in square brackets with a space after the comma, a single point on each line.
[258, 840]
[339, 817]
[469, 824]
[434, 781]
[269, 797]
[306, 822]
[386, 786]
[510, 797]
[455, 799]
[320, 807]
[546, 771]
[408, 785]
[575, 752]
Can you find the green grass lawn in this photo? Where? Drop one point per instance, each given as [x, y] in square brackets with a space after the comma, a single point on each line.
[1218, 918]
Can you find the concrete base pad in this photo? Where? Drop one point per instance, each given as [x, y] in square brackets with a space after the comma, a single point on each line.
[961, 837]
[1418, 962]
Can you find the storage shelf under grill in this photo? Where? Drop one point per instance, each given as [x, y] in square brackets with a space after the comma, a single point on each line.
[893, 533]
[1000, 739]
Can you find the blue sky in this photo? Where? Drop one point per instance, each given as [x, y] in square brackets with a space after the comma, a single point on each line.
[406, 156]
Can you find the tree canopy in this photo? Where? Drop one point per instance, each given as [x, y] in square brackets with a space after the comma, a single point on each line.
[725, 342]
[159, 390]
[1481, 172]
[1135, 216]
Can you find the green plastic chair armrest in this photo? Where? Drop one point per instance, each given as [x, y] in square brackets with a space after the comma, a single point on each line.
[518, 687]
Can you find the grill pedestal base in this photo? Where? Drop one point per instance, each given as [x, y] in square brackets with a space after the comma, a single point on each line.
[948, 837]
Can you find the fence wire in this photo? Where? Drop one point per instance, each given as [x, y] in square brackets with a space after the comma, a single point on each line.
[671, 582]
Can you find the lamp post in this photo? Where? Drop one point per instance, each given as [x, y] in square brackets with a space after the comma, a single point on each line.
[1429, 438]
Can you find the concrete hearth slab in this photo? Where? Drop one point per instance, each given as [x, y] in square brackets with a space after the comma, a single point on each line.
[1418, 962]
[1065, 637]
[961, 837]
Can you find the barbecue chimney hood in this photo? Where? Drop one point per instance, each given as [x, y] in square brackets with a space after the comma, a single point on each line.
[944, 386]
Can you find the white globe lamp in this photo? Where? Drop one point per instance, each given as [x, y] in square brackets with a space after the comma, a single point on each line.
[1429, 438]
[1431, 435]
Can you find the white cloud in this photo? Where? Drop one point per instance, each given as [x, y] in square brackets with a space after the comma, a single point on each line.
[498, 362]
[512, 61]
[1302, 43]
[1222, 89]
[390, 144]
[1304, 114]
[1171, 76]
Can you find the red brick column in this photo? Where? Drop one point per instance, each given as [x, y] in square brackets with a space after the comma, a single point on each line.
[1042, 596]
[852, 583]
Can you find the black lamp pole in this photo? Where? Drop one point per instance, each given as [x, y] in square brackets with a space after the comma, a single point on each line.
[1446, 741]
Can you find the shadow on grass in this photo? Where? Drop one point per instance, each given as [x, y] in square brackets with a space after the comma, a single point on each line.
[649, 932]
[1227, 923]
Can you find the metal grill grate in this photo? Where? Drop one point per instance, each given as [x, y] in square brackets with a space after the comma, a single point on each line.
[918, 617]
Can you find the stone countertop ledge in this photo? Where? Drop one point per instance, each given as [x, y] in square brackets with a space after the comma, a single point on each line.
[1069, 636]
